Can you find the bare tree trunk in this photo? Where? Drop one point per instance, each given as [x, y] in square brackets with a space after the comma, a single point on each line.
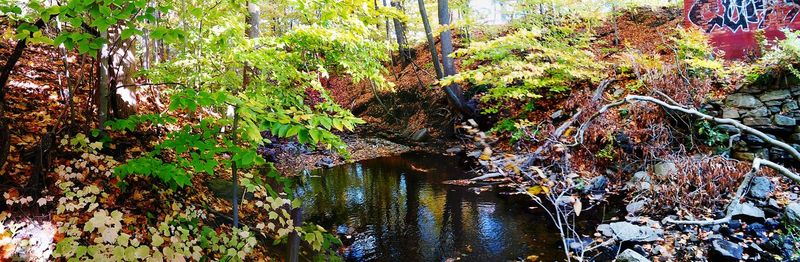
[123, 65]
[431, 42]
[453, 91]
[252, 32]
[400, 32]
[103, 85]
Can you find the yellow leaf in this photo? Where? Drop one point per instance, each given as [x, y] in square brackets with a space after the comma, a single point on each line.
[534, 190]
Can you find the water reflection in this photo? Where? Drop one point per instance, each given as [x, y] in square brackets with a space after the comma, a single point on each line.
[399, 214]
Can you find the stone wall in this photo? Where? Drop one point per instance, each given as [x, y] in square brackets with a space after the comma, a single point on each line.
[769, 108]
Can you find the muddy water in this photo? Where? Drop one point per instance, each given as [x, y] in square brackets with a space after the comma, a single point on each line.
[397, 209]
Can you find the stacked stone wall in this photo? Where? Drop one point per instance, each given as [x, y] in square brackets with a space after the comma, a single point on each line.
[774, 110]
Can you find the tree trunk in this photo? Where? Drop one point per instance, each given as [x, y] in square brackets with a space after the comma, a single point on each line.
[103, 85]
[453, 91]
[252, 32]
[431, 41]
[399, 31]
[122, 66]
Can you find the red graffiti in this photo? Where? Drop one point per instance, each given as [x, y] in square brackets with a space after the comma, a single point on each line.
[732, 23]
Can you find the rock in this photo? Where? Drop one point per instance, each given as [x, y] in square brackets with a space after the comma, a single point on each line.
[605, 229]
[780, 94]
[795, 137]
[742, 101]
[223, 188]
[730, 112]
[773, 103]
[454, 150]
[631, 256]
[578, 245]
[724, 250]
[744, 156]
[735, 224]
[791, 214]
[597, 184]
[789, 106]
[420, 135]
[556, 114]
[325, 162]
[728, 129]
[635, 207]
[564, 201]
[753, 139]
[665, 170]
[782, 120]
[756, 121]
[625, 231]
[760, 187]
[474, 154]
[758, 230]
[640, 181]
[758, 112]
[747, 209]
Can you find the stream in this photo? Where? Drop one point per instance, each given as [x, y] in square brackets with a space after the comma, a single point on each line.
[398, 209]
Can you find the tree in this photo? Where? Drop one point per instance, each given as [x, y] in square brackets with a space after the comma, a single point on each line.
[431, 42]
[453, 90]
[400, 33]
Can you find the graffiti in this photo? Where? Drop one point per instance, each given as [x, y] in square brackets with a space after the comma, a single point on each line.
[742, 15]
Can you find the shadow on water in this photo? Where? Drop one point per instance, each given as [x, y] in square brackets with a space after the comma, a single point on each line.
[395, 211]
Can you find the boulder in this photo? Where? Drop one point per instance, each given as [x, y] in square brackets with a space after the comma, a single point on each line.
[723, 250]
[631, 256]
[791, 214]
[743, 101]
[760, 187]
[774, 95]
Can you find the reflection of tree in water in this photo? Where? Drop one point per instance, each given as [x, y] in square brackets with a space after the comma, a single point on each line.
[452, 232]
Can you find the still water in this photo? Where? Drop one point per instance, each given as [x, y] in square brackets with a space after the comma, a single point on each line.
[397, 209]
